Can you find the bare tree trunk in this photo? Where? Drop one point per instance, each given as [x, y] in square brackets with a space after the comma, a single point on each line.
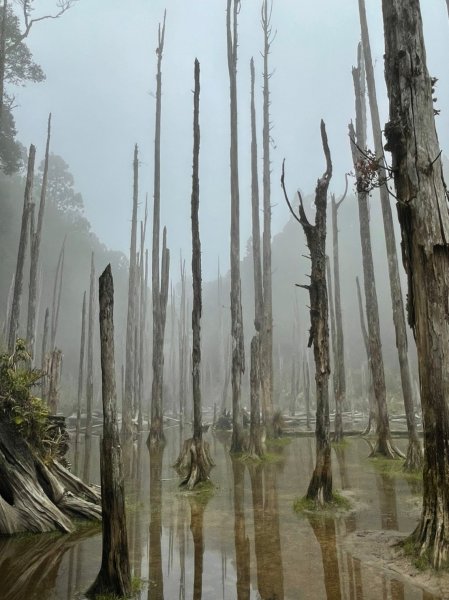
[414, 451]
[371, 395]
[255, 444]
[115, 574]
[266, 371]
[199, 452]
[142, 317]
[182, 344]
[238, 351]
[3, 59]
[340, 355]
[81, 366]
[90, 350]
[54, 373]
[320, 486]
[35, 243]
[384, 444]
[127, 407]
[424, 220]
[338, 423]
[44, 355]
[306, 383]
[159, 283]
[23, 242]
[56, 301]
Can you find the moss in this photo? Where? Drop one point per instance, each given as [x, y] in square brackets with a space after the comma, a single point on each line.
[343, 443]
[338, 504]
[420, 560]
[202, 492]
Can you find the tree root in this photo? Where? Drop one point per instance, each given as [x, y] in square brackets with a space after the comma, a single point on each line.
[195, 459]
[414, 458]
[386, 448]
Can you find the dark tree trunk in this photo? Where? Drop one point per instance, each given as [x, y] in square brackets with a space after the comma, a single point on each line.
[35, 243]
[238, 351]
[371, 396]
[338, 424]
[159, 280]
[384, 444]
[44, 355]
[414, 451]
[81, 367]
[182, 340]
[23, 242]
[267, 331]
[424, 220]
[114, 576]
[306, 383]
[90, 350]
[198, 448]
[324, 528]
[255, 444]
[320, 486]
[242, 551]
[155, 567]
[130, 392]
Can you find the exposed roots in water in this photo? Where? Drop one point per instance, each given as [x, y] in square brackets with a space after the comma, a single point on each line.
[385, 447]
[414, 458]
[370, 428]
[429, 543]
[196, 459]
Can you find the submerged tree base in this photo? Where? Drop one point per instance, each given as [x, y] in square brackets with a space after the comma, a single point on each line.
[337, 503]
[195, 460]
[414, 459]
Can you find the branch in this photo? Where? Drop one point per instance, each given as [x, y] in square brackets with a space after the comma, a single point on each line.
[344, 194]
[327, 152]
[63, 5]
[285, 193]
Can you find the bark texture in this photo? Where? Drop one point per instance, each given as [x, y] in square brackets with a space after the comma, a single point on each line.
[90, 350]
[424, 220]
[115, 575]
[81, 367]
[371, 396]
[238, 351]
[23, 243]
[414, 452]
[383, 445]
[338, 423]
[320, 486]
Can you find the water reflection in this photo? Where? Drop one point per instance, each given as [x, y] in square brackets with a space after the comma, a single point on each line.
[241, 539]
[197, 508]
[324, 529]
[156, 581]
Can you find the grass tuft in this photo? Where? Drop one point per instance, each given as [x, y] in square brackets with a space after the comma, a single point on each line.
[338, 504]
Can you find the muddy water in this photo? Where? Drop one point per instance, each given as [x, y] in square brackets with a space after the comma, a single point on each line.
[243, 542]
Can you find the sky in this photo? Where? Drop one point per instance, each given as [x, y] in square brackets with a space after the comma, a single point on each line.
[100, 63]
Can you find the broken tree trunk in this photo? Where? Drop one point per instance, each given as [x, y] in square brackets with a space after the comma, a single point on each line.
[81, 367]
[413, 459]
[384, 445]
[238, 352]
[115, 575]
[200, 462]
[127, 408]
[90, 350]
[56, 301]
[424, 220]
[320, 486]
[23, 242]
[35, 243]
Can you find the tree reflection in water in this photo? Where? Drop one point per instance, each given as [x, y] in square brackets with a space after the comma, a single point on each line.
[197, 507]
[323, 527]
[156, 583]
[241, 540]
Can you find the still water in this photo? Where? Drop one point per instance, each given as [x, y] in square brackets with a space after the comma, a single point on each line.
[243, 542]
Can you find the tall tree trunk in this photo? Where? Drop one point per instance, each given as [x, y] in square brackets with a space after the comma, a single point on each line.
[267, 331]
[424, 220]
[56, 300]
[35, 243]
[320, 486]
[44, 355]
[182, 344]
[340, 356]
[127, 407]
[81, 366]
[414, 451]
[3, 59]
[54, 375]
[371, 395]
[255, 444]
[384, 444]
[198, 448]
[90, 350]
[142, 317]
[159, 282]
[23, 242]
[238, 351]
[115, 574]
[306, 384]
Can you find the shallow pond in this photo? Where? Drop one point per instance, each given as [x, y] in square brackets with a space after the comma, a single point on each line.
[243, 541]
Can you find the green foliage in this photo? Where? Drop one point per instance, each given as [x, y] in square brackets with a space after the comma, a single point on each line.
[338, 504]
[60, 186]
[12, 153]
[394, 468]
[419, 559]
[27, 413]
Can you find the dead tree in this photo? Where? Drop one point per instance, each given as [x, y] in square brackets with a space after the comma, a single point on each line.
[142, 317]
[81, 366]
[44, 355]
[127, 408]
[182, 341]
[238, 351]
[54, 377]
[266, 370]
[338, 423]
[371, 396]
[3, 58]
[339, 367]
[159, 283]
[306, 384]
[255, 442]
[320, 486]
[384, 445]
[414, 452]
[115, 575]
[90, 350]
[424, 220]
[23, 243]
[200, 461]
[35, 244]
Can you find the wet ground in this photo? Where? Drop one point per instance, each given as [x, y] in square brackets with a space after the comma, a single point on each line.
[243, 541]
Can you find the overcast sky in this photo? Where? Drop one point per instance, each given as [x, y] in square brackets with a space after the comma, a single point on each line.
[100, 63]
